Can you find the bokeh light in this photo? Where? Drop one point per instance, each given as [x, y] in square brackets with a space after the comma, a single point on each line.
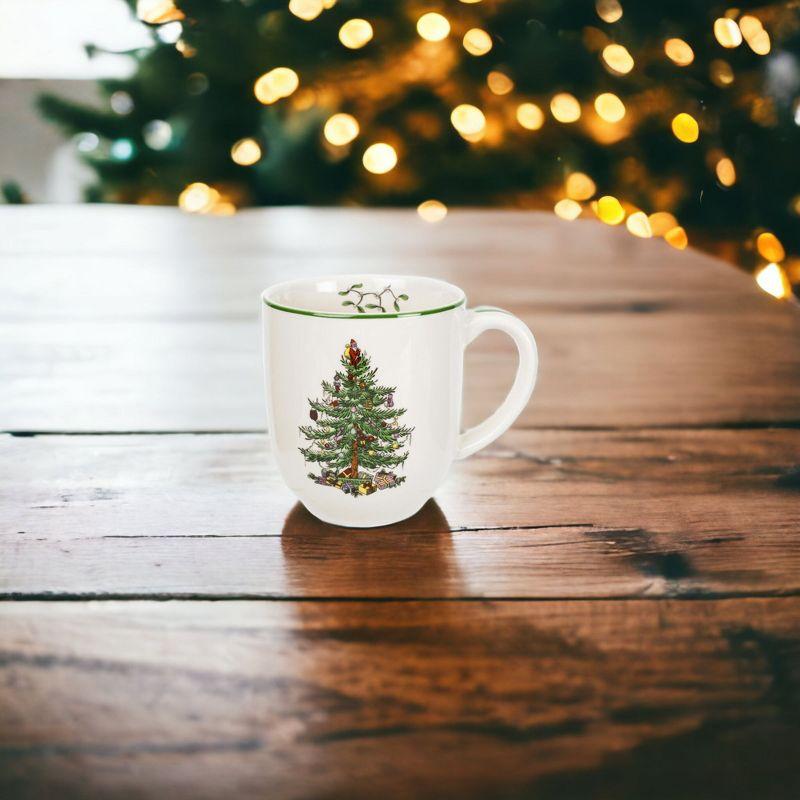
[567, 209]
[721, 73]
[565, 107]
[432, 210]
[726, 171]
[468, 119]
[639, 225]
[685, 128]
[477, 42]
[772, 279]
[157, 134]
[341, 129]
[618, 59]
[610, 210]
[580, 186]
[770, 247]
[679, 52]
[306, 9]
[530, 116]
[609, 107]
[433, 27]
[379, 158]
[246, 152]
[198, 198]
[275, 84]
[499, 83]
[355, 33]
[676, 237]
[754, 34]
[727, 32]
[661, 222]
[608, 10]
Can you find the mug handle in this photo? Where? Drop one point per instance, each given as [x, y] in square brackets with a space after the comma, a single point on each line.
[484, 318]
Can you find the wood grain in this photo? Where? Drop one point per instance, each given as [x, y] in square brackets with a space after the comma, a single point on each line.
[605, 604]
[552, 514]
[632, 333]
[660, 699]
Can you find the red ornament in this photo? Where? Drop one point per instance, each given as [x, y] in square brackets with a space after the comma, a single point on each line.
[354, 353]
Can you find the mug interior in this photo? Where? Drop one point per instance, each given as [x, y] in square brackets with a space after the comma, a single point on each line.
[364, 295]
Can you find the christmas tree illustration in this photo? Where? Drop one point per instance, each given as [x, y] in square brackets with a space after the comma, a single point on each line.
[356, 435]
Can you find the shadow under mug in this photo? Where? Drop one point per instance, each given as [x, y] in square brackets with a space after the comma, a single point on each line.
[364, 377]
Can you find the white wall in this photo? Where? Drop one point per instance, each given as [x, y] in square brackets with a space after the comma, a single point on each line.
[32, 151]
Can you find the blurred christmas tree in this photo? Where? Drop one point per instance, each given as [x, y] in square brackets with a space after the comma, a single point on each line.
[669, 117]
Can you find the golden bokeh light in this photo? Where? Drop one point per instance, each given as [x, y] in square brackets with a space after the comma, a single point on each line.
[580, 186]
[432, 210]
[433, 27]
[685, 128]
[379, 158]
[306, 9]
[477, 42]
[246, 152]
[198, 198]
[760, 43]
[499, 83]
[750, 26]
[721, 73]
[565, 107]
[618, 59]
[157, 12]
[355, 33]
[468, 120]
[772, 279]
[610, 210]
[608, 10]
[567, 209]
[639, 225]
[661, 222]
[770, 247]
[754, 34]
[530, 116]
[609, 107]
[727, 32]
[679, 52]
[275, 84]
[726, 171]
[677, 238]
[341, 129]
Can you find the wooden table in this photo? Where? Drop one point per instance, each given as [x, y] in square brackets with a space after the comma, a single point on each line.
[604, 604]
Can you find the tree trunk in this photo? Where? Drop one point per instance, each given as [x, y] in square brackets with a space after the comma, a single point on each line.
[354, 461]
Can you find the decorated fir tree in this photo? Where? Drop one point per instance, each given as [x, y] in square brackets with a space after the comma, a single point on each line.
[356, 435]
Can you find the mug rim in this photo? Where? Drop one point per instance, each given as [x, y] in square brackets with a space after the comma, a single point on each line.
[308, 312]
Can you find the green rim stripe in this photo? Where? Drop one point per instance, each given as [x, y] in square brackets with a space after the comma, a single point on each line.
[336, 315]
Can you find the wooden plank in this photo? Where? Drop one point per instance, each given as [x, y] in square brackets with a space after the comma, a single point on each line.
[553, 514]
[610, 369]
[151, 323]
[427, 700]
[192, 267]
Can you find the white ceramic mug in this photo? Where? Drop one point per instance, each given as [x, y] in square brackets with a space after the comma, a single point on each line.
[364, 380]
